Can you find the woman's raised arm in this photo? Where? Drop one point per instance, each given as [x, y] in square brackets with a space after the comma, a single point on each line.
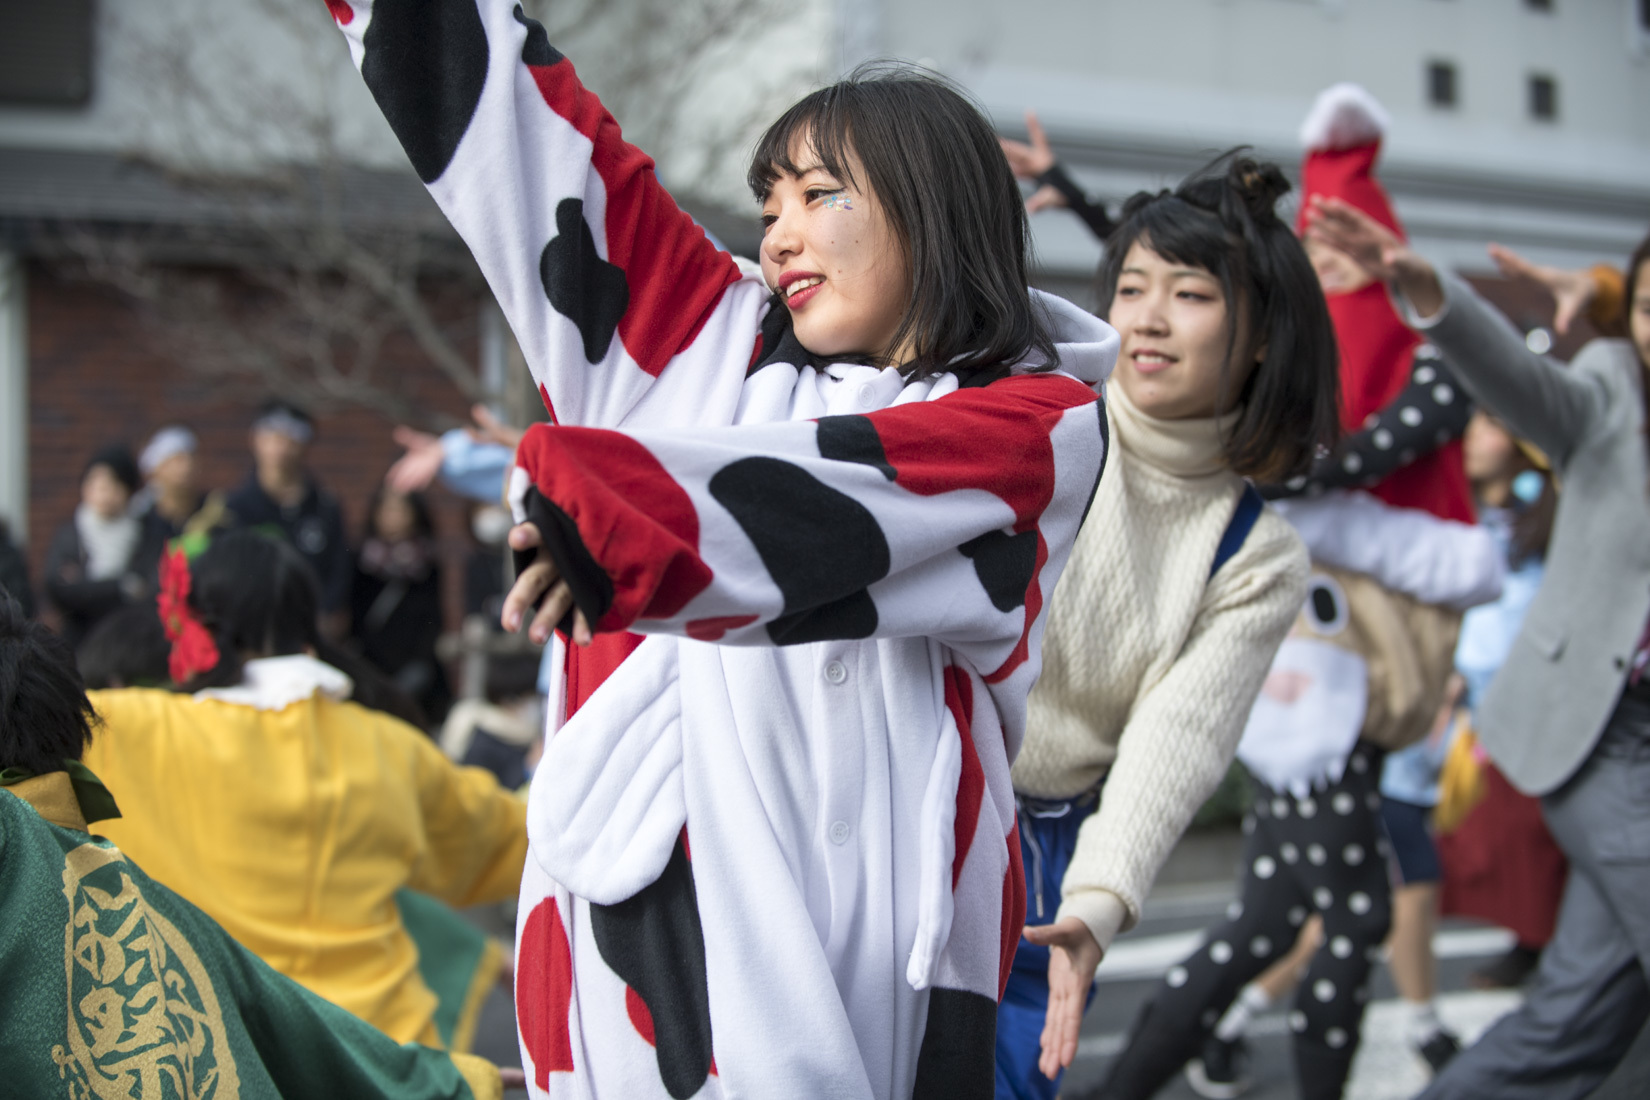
[604, 280]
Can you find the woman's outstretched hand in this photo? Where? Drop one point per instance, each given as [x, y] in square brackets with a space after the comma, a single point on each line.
[1572, 290]
[1376, 249]
[1074, 955]
[1029, 161]
[536, 580]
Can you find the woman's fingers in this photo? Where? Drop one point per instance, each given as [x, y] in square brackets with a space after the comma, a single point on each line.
[1046, 197]
[1040, 148]
[557, 603]
[531, 583]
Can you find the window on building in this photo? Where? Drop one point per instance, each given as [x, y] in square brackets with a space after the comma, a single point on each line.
[1441, 84]
[1543, 98]
[46, 53]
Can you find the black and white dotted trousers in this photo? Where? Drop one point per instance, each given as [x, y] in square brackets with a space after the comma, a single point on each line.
[1326, 853]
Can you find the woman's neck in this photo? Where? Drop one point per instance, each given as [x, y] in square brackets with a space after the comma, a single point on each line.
[1189, 447]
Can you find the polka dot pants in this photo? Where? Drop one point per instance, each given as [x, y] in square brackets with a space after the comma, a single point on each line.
[1325, 853]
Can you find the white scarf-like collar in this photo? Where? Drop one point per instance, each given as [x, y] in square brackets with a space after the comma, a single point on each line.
[275, 683]
[1182, 448]
[108, 543]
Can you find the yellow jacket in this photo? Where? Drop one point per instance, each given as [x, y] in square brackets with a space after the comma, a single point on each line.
[292, 818]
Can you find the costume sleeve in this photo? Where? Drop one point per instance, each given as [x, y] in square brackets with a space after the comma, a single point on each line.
[603, 279]
[930, 519]
[1553, 406]
[1429, 412]
[475, 832]
[1183, 730]
[1093, 214]
[474, 470]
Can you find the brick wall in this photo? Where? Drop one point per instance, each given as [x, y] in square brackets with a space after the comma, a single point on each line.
[98, 374]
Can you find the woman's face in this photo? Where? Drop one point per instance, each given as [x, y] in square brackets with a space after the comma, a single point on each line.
[1487, 450]
[828, 250]
[1173, 321]
[1638, 314]
[395, 519]
[104, 493]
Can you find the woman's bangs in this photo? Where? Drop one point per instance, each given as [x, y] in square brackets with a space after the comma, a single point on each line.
[821, 121]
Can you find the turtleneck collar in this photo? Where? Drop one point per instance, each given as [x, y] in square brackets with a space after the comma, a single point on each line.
[1180, 448]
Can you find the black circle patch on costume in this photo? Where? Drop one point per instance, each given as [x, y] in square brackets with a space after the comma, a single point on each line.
[425, 63]
[821, 547]
[582, 286]
[1005, 565]
[655, 943]
[853, 439]
[537, 50]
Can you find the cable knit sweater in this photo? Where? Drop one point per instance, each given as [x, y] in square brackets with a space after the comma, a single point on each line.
[1150, 665]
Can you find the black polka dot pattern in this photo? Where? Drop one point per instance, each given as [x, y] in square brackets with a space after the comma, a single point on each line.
[426, 64]
[821, 547]
[1430, 412]
[1303, 855]
[1005, 565]
[582, 286]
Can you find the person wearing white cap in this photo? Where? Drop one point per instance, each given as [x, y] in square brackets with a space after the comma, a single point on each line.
[174, 505]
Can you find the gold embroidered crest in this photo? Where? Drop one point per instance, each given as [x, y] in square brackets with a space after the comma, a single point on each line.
[143, 1019]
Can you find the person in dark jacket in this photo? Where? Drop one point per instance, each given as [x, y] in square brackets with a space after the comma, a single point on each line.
[395, 599]
[100, 559]
[282, 497]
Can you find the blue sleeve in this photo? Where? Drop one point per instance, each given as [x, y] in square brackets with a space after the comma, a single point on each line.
[472, 469]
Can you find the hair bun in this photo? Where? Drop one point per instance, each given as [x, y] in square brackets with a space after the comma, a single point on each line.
[1261, 183]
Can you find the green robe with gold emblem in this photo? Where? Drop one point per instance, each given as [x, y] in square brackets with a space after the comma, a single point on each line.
[114, 986]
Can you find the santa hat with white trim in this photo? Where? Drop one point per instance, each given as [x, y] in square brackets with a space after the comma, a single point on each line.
[1342, 135]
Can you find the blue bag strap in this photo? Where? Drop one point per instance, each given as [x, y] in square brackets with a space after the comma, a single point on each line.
[1243, 519]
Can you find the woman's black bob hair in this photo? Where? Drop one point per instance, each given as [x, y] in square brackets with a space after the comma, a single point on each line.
[1222, 219]
[916, 142]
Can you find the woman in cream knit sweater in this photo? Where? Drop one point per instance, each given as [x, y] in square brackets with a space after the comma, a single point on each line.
[1164, 624]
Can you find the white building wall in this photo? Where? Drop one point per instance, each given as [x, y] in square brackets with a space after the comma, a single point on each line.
[1133, 93]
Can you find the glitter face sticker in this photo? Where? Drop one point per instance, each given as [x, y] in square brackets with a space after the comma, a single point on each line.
[838, 200]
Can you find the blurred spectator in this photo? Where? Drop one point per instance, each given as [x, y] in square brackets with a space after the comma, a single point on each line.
[97, 561]
[173, 505]
[14, 572]
[128, 648]
[484, 572]
[395, 600]
[283, 496]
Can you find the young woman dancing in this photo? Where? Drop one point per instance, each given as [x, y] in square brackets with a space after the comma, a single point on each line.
[772, 845]
[1181, 586]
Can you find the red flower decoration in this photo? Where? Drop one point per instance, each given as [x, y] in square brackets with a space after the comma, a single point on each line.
[193, 650]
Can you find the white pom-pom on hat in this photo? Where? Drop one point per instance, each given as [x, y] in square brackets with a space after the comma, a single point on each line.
[1344, 116]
